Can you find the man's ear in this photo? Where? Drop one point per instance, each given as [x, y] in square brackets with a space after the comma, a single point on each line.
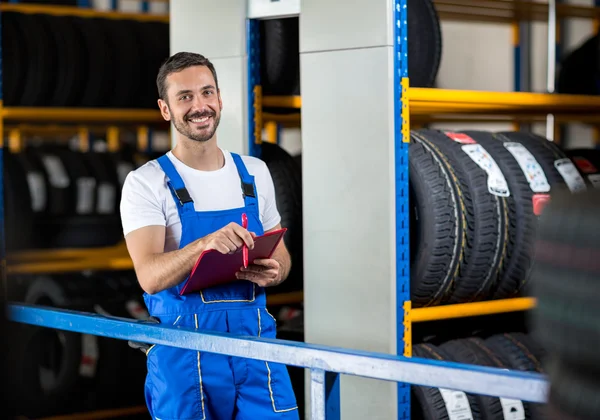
[164, 110]
[220, 100]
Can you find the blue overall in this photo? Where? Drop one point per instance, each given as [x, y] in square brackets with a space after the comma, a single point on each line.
[184, 384]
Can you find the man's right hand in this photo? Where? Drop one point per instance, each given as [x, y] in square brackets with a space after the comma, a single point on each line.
[228, 239]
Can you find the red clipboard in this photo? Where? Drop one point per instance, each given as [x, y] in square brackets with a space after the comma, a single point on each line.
[214, 268]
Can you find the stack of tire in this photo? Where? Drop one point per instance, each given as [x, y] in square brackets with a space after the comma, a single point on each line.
[475, 201]
[70, 61]
[280, 51]
[54, 371]
[514, 351]
[56, 197]
[566, 284]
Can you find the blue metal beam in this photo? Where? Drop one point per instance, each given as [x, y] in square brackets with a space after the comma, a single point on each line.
[524, 386]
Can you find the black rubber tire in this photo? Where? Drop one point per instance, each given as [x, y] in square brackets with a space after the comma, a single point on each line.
[83, 182]
[438, 224]
[121, 371]
[474, 351]
[522, 221]
[280, 55]
[518, 351]
[71, 65]
[31, 350]
[14, 59]
[153, 43]
[107, 184]
[588, 163]
[41, 60]
[424, 43]
[287, 180]
[565, 278]
[431, 404]
[99, 60]
[18, 223]
[57, 182]
[36, 183]
[126, 88]
[487, 223]
[579, 70]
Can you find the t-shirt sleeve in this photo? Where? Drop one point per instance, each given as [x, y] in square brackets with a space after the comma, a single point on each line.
[270, 214]
[139, 205]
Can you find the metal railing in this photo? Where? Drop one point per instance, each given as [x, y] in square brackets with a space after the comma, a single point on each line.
[325, 362]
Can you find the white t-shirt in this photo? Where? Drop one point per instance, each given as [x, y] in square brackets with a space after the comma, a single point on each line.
[147, 200]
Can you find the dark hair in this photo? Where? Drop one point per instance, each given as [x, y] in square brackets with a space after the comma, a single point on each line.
[178, 62]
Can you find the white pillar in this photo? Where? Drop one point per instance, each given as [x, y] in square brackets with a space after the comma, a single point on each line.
[217, 30]
[347, 79]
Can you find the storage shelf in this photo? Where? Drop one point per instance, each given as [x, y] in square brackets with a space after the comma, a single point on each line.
[116, 257]
[508, 11]
[427, 101]
[55, 115]
[463, 310]
[81, 12]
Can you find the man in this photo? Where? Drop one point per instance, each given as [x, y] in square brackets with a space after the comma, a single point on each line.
[173, 208]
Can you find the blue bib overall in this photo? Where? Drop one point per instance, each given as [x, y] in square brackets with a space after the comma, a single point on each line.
[184, 384]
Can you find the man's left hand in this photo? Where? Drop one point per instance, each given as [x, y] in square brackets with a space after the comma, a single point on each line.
[264, 272]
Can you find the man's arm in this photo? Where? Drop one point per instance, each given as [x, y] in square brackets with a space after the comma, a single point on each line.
[157, 270]
[269, 272]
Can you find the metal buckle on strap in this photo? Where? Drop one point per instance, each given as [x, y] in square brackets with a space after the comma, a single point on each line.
[183, 196]
[248, 190]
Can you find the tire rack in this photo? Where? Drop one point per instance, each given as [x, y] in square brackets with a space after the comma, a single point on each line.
[423, 105]
[72, 260]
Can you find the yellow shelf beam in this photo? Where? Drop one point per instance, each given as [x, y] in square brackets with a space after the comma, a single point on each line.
[81, 12]
[508, 11]
[89, 115]
[463, 310]
[426, 102]
[282, 102]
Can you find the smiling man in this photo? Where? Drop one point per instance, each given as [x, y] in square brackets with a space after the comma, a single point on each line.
[173, 208]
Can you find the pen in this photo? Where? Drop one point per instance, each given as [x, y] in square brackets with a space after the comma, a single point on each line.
[245, 247]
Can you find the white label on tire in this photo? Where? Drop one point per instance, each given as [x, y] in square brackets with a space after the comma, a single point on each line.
[106, 198]
[512, 409]
[123, 169]
[530, 166]
[89, 356]
[570, 174]
[136, 310]
[457, 404]
[56, 171]
[85, 194]
[497, 184]
[595, 180]
[37, 191]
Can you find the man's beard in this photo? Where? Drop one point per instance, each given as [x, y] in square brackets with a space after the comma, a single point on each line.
[184, 128]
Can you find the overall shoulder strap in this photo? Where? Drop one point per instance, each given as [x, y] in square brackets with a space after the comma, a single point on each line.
[182, 198]
[248, 185]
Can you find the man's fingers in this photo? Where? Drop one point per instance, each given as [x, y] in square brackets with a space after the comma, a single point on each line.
[243, 234]
[266, 262]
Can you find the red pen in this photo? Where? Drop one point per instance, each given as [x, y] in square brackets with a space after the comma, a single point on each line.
[245, 247]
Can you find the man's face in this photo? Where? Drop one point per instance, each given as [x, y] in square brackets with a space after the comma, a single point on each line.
[194, 104]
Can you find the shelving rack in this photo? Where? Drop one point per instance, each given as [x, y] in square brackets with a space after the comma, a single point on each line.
[451, 105]
[410, 103]
[16, 121]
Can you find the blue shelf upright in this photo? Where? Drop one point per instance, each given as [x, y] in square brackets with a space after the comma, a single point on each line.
[401, 142]
[254, 87]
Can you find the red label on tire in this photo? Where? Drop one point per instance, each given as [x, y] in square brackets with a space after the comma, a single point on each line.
[585, 165]
[460, 137]
[539, 202]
